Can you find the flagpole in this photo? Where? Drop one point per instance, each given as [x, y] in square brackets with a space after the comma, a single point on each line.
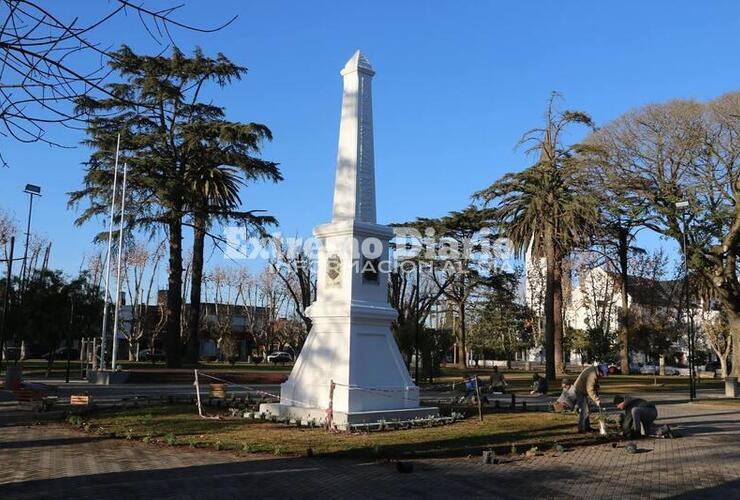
[107, 265]
[118, 271]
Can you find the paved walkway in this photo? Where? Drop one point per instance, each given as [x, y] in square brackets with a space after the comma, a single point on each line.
[55, 461]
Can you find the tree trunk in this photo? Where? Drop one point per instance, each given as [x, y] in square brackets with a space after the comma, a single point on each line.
[462, 359]
[199, 236]
[174, 295]
[557, 302]
[734, 320]
[624, 349]
[549, 309]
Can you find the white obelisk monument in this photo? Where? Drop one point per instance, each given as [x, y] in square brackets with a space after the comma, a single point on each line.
[350, 369]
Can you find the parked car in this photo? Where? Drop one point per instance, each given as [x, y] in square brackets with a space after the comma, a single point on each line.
[714, 366]
[279, 357]
[61, 353]
[653, 369]
[152, 355]
[614, 370]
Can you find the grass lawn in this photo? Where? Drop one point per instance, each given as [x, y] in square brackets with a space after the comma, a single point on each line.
[60, 365]
[180, 425]
[521, 381]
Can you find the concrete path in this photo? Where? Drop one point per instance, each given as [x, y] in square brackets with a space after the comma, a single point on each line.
[55, 461]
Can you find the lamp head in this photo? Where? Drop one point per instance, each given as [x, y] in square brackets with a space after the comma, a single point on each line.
[32, 189]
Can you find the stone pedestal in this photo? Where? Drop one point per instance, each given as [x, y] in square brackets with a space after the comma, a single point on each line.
[350, 361]
[106, 377]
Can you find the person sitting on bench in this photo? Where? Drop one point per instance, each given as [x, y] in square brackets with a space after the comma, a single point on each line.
[498, 381]
[539, 385]
[639, 415]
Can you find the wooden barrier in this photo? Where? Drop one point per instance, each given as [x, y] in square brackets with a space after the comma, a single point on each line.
[38, 400]
[80, 400]
[218, 391]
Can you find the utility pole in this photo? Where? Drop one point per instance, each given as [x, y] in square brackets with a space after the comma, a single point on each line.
[683, 205]
[416, 321]
[6, 302]
[69, 333]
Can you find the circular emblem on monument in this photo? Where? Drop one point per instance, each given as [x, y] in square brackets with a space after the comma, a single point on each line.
[333, 269]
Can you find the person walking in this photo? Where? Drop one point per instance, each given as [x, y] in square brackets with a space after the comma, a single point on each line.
[587, 387]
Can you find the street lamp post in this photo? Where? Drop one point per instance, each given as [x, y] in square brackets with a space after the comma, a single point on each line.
[32, 191]
[683, 205]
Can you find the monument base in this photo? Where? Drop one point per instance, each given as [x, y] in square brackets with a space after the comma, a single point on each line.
[106, 377]
[343, 420]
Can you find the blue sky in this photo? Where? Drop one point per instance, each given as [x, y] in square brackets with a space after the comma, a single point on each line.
[456, 85]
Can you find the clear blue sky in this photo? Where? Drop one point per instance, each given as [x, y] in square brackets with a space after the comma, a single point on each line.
[457, 84]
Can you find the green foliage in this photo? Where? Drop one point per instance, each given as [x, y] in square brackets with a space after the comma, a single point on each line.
[501, 325]
[170, 439]
[655, 334]
[55, 308]
[186, 162]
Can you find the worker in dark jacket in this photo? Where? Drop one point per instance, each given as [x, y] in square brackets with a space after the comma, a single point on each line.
[639, 415]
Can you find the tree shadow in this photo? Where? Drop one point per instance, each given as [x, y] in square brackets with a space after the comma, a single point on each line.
[40, 443]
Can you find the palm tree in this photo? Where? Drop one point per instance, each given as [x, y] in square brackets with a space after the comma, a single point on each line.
[213, 189]
[547, 206]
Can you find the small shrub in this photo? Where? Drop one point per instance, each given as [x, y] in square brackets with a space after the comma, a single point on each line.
[147, 439]
[170, 439]
[218, 445]
[130, 435]
[277, 452]
[192, 443]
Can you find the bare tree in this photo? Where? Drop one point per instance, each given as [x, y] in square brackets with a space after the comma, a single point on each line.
[717, 332]
[224, 285]
[686, 151]
[141, 267]
[248, 296]
[8, 229]
[273, 298]
[50, 59]
[296, 269]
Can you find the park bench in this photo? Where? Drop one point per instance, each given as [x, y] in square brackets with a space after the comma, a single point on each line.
[37, 400]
